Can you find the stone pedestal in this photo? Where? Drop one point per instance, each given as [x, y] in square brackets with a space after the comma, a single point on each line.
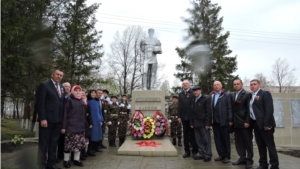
[166, 149]
[148, 101]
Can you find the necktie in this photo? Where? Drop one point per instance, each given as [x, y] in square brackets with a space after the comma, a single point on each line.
[56, 85]
[236, 95]
[251, 110]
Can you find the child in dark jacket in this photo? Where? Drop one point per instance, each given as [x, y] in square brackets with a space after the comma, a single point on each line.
[74, 127]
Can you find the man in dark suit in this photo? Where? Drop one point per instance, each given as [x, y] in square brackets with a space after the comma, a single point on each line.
[261, 113]
[184, 112]
[241, 120]
[222, 119]
[201, 121]
[50, 101]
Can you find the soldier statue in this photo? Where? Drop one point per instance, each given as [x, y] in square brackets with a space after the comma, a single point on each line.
[150, 47]
[176, 130]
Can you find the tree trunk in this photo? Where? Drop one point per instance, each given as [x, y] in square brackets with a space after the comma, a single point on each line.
[18, 114]
[2, 106]
[26, 110]
[17, 107]
[14, 110]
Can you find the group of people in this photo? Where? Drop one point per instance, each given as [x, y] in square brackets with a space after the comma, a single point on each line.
[72, 124]
[223, 112]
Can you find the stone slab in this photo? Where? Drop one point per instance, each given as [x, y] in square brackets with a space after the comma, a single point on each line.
[148, 101]
[166, 149]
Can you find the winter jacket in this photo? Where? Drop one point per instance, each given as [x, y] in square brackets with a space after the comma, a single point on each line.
[201, 115]
[88, 121]
[74, 115]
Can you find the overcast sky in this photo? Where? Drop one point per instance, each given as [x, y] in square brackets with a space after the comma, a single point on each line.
[260, 31]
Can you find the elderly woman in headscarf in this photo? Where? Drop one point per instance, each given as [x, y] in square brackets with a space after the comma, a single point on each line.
[74, 126]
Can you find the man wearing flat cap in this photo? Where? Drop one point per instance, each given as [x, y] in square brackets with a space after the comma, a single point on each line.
[176, 130]
[201, 121]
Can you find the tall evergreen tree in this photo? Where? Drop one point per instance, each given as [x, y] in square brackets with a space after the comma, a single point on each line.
[25, 41]
[79, 42]
[205, 29]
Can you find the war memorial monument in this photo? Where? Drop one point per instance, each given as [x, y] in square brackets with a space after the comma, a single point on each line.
[149, 102]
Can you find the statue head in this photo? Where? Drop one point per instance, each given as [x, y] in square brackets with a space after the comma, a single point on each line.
[151, 32]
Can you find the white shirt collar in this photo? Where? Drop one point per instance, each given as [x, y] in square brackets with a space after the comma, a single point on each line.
[255, 93]
[54, 82]
[238, 92]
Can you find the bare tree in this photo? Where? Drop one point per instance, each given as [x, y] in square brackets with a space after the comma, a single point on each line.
[165, 86]
[246, 81]
[125, 59]
[264, 82]
[160, 75]
[283, 76]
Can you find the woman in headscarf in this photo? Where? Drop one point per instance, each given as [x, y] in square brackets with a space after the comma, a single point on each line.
[74, 127]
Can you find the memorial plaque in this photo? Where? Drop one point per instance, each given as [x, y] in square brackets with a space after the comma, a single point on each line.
[295, 108]
[148, 101]
[278, 112]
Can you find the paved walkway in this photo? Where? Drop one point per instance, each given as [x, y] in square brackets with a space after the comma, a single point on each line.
[110, 160]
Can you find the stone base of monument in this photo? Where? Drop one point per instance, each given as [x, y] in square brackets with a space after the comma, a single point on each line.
[166, 149]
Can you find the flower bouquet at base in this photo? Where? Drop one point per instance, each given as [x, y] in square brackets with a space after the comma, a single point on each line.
[149, 127]
[161, 124]
[137, 125]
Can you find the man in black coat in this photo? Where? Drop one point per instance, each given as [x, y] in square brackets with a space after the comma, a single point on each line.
[262, 115]
[241, 120]
[222, 119]
[201, 121]
[50, 101]
[184, 112]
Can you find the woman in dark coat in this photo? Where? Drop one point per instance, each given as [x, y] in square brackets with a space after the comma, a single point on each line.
[74, 127]
[88, 127]
[97, 120]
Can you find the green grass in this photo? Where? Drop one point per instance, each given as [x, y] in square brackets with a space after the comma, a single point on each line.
[10, 128]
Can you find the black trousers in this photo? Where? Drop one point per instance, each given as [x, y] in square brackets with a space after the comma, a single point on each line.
[222, 140]
[203, 141]
[60, 146]
[265, 139]
[189, 137]
[243, 144]
[48, 138]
